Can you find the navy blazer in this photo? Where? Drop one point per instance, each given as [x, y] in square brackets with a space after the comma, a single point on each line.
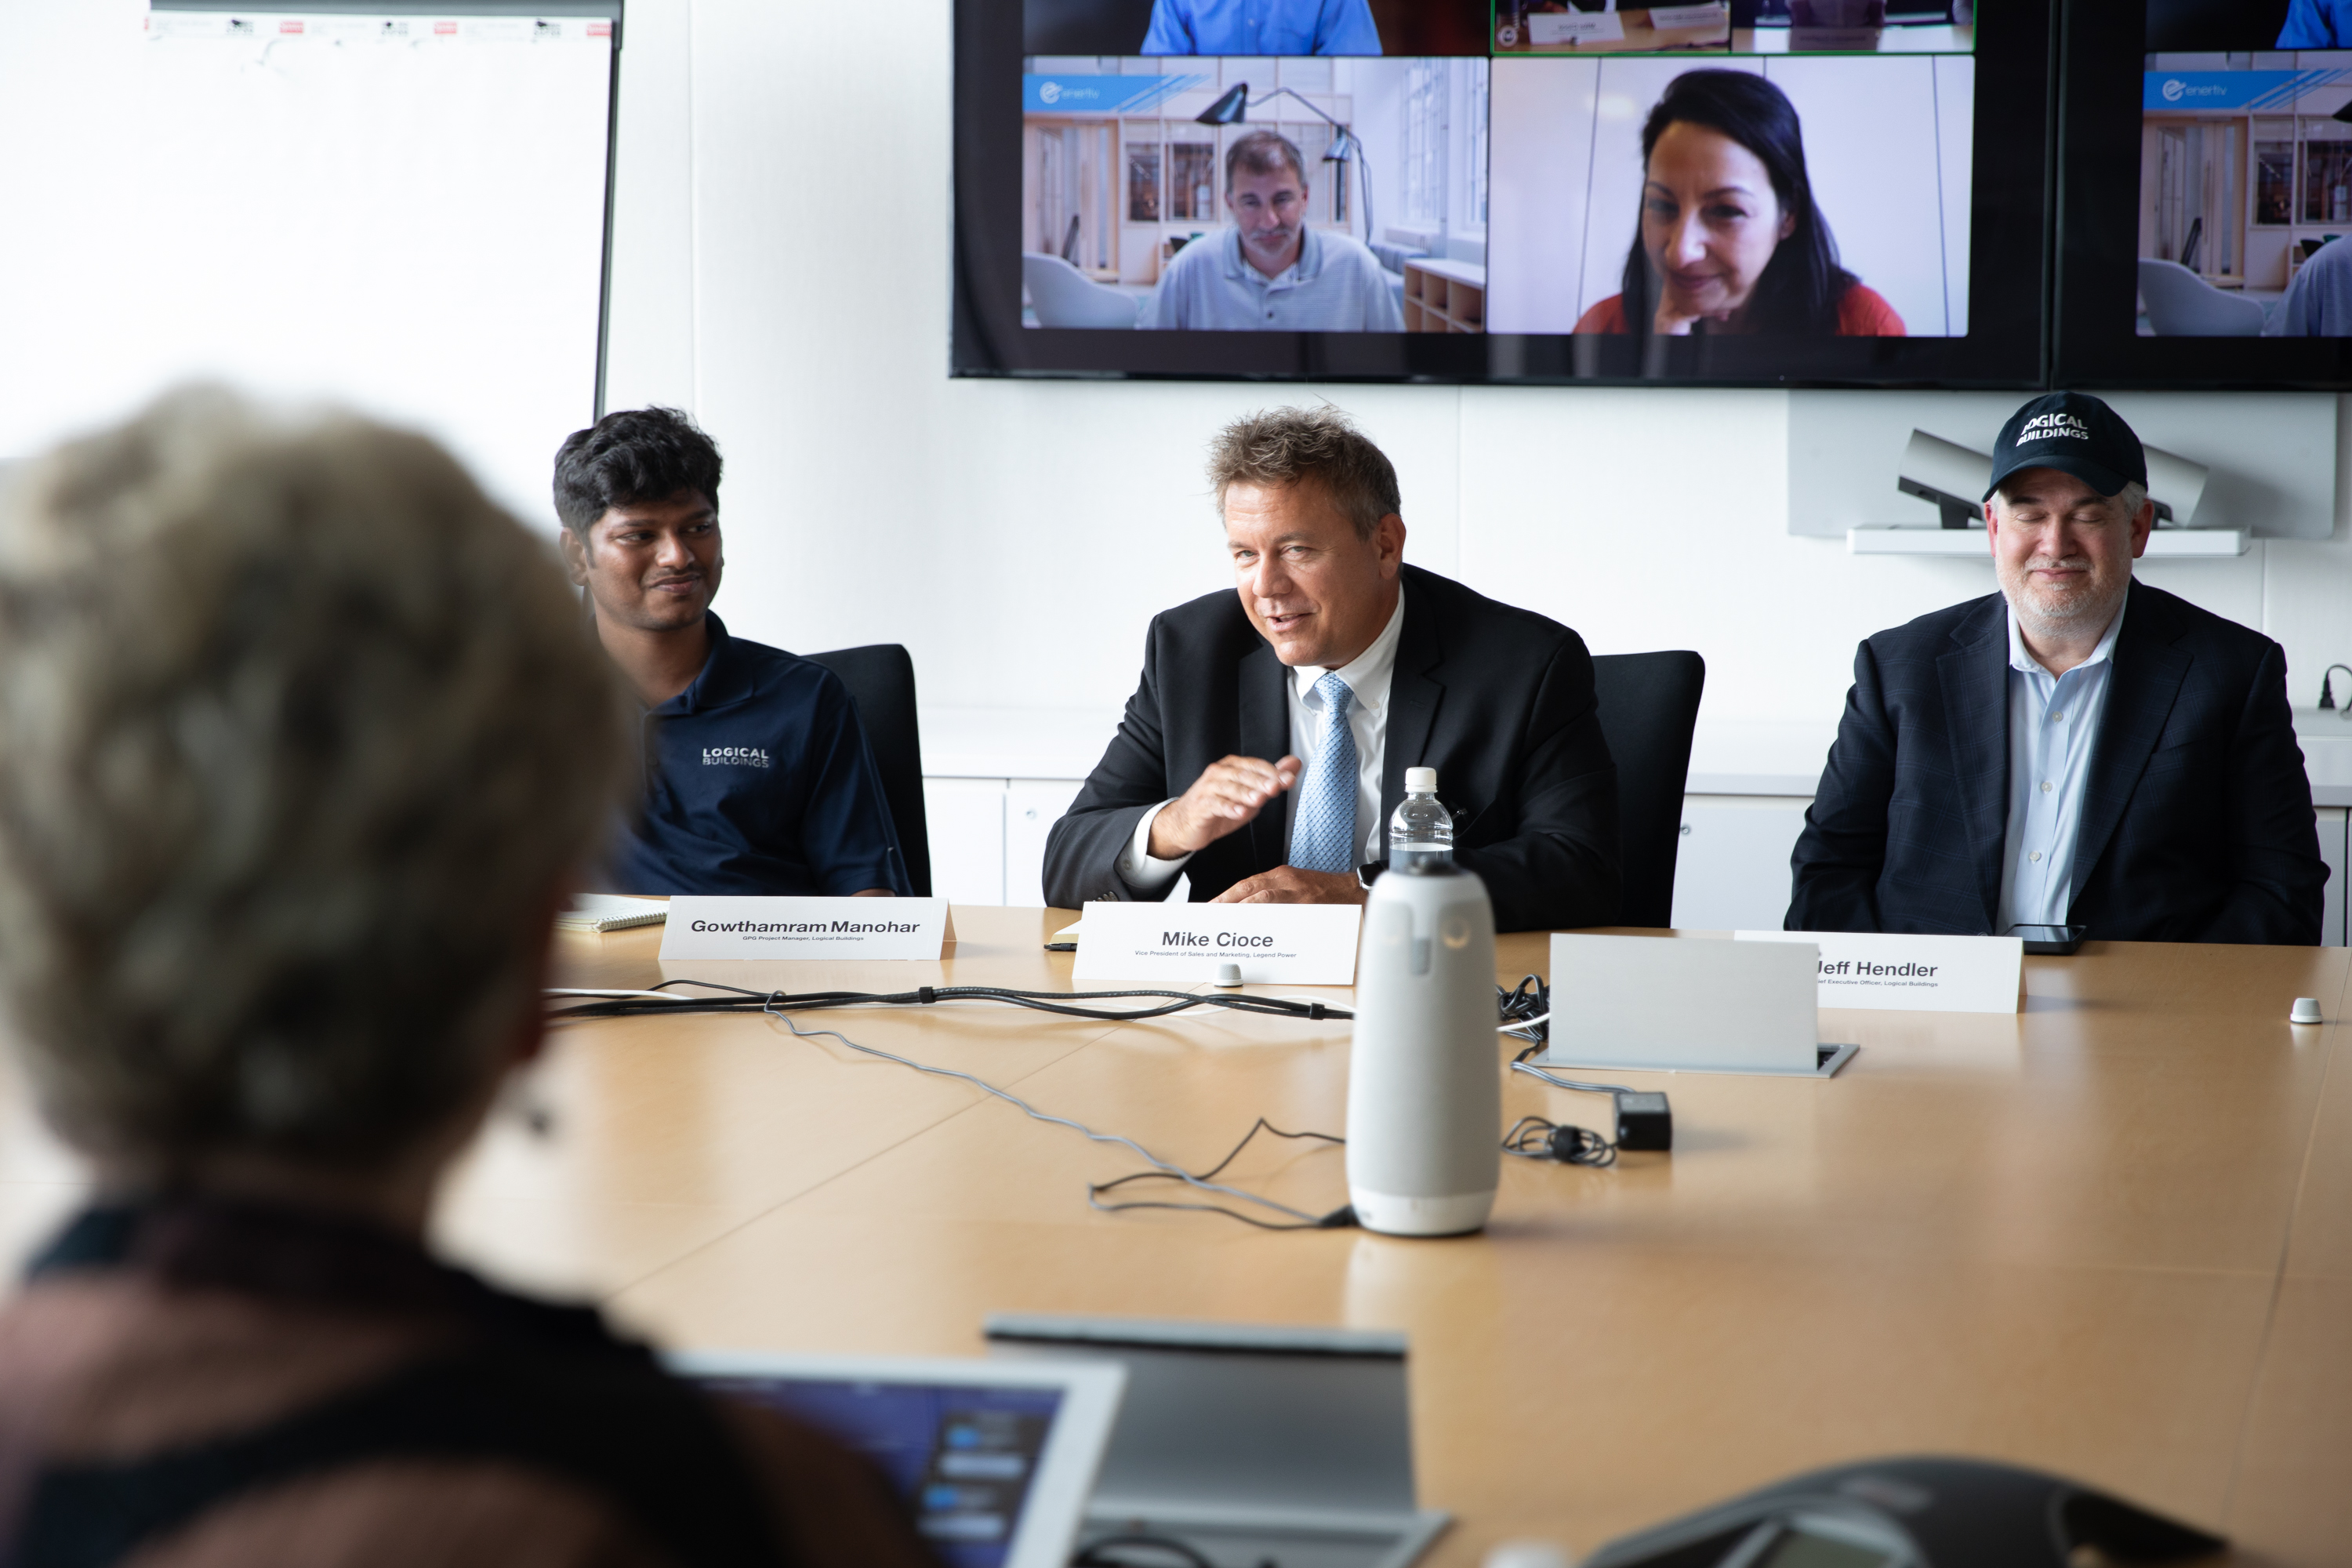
[1498, 699]
[2196, 822]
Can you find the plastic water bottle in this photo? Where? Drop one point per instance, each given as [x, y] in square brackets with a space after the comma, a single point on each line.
[1420, 830]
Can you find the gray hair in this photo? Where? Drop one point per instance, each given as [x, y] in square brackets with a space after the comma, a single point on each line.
[1312, 445]
[299, 734]
[1264, 152]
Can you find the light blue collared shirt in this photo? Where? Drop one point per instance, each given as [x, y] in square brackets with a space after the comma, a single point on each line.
[1262, 28]
[2054, 727]
[1334, 286]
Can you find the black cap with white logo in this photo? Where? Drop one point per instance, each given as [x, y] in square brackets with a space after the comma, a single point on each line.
[2075, 434]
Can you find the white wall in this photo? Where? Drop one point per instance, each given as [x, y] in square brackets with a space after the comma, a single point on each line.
[781, 269]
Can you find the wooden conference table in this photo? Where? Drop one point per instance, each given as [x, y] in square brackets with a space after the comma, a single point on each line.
[2110, 1236]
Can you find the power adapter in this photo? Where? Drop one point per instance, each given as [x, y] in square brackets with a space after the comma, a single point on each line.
[1645, 1120]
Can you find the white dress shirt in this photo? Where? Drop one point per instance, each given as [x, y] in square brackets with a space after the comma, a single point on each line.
[2054, 728]
[1368, 674]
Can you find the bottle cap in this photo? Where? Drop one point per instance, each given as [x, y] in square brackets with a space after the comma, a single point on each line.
[1421, 781]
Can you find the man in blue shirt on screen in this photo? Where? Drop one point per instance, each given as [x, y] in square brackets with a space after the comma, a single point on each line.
[757, 775]
[1273, 272]
[1262, 28]
[2317, 25]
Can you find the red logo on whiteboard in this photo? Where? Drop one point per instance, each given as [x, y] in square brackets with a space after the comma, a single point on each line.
[600, 29]
[290, 27]
[445, 29]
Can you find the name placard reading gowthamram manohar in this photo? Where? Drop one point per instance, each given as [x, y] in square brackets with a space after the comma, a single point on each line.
[805, 928]
[1912, 973]
[1274, 945]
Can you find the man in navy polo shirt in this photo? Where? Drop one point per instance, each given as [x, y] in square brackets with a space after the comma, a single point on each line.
[757, 775]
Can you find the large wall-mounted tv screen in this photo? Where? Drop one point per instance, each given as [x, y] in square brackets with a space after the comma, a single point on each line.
[1834, 192]
[2206, 195]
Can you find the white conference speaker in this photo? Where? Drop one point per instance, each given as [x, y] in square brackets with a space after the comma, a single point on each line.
[1424, 1083]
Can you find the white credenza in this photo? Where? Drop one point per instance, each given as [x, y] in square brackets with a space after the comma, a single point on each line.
[997, 779]
[994, 781]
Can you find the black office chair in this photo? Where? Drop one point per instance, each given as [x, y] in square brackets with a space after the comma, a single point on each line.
[1649, 705]
[881, 678]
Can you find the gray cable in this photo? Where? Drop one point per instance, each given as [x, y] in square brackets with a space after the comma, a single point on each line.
[1080, 1128]
[1558, 1082]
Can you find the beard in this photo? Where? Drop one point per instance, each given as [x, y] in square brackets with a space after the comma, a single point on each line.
[2045, 611]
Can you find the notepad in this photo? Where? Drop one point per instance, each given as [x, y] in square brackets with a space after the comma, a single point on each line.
[611, 911]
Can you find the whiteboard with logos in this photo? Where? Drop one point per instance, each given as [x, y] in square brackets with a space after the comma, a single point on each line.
[399, 209]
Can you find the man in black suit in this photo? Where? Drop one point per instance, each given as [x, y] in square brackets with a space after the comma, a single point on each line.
[1333, 650]
[2078, 748]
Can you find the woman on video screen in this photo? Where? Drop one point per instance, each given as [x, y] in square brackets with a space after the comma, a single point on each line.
[1729, 239]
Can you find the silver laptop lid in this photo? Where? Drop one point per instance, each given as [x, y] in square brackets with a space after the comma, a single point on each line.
[1241, 1417]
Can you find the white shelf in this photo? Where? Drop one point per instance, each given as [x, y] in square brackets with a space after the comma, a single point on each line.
[2165, 543]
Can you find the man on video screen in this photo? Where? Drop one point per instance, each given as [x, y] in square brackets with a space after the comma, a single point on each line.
[2317, 25]
[1271, 271]
[1262, 28]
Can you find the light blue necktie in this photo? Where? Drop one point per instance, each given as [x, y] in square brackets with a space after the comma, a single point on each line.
[1323, 832]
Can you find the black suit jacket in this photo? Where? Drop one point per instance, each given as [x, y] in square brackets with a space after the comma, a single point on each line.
[1497, 699]
[2196, 823]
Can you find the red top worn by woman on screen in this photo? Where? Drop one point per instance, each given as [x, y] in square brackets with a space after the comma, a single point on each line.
[1729, 238]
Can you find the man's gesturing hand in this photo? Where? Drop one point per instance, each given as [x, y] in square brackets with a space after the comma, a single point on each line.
[1227, 795]
[1289, 885]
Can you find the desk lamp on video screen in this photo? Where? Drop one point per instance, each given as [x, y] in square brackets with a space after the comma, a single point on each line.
[1375, 192]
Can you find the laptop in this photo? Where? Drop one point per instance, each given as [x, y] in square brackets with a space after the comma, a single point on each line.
[1688, 1005]
[1239, 1444]
[996, 1459]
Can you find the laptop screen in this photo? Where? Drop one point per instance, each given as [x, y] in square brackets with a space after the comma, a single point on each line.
[964, 1455]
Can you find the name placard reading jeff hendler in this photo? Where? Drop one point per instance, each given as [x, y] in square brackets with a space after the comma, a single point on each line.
[1914, 973]
[805, 928]
[1275, 944]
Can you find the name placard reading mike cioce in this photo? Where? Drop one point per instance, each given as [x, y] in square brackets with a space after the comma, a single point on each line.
[1275, 944]
[805, 928]
[1914, 973]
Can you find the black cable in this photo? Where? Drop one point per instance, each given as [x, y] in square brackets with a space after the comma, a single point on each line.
[740, 1000]
[1338, 1219]
[1525, 1011]
[1534, 1138]
[1173, 1172]
[1091, 1557]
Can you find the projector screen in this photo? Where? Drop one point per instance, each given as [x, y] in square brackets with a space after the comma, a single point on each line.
[400, 210]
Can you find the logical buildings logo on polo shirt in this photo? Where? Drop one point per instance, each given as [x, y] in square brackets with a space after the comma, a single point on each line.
[735, 757]
[2053, 427]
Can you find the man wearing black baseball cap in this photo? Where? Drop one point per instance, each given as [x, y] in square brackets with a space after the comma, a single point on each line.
[2078, 748]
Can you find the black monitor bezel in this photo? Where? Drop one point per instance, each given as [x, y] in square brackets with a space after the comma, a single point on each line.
[2098, 345]
[2008, 346]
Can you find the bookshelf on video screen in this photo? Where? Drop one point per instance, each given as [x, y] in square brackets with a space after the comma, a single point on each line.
[2216, 245]
[1782, 191]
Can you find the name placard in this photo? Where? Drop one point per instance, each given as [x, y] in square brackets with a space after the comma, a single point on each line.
[1912, 973]
[1575, 27]
[1675, 18]
[805, 928]
[1274, 945]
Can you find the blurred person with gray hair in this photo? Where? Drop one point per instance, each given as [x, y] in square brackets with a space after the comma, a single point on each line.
[1266, 747]
[301, 745]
